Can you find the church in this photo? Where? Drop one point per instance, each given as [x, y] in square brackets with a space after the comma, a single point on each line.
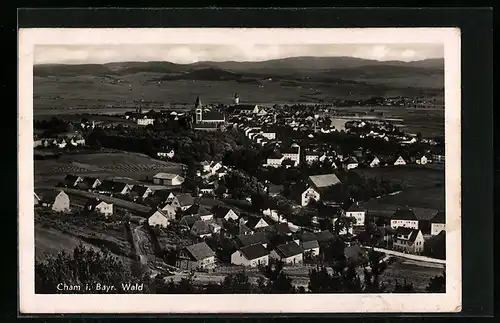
[206, 119]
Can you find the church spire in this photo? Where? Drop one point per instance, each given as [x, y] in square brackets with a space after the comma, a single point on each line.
[198, 103]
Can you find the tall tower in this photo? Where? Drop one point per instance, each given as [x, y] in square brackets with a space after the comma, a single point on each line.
[199, 115]
[236, 99]
[197, 105]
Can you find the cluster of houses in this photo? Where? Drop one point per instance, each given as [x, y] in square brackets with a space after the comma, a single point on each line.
[59, 201]
[61, 142]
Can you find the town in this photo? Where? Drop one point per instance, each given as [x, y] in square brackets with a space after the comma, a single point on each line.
[230, 186]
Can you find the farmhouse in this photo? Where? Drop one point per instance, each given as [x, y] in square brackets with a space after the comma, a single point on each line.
[100, 207]
[408, 240]
[168, 179]
[317, 183]
[289, 253]
[311, 247]
[58, 201]
[404, 217]
[251, 256]
[158, 218]
[140, 192]
[438, 223]
[196, 256]
[182, 201]
[72, 180]
[358, 213]
[199, 210]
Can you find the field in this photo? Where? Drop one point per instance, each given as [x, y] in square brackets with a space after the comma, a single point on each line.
[104, 165]
[424, 190]
[403, 270]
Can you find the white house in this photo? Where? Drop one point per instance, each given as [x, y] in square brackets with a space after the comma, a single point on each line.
[290, 253]
[438, 223]
[251, 256]
[404, 217]
[312, 157]
[158, 218]
[254, 223]
[274, 215]
[308, 195]
[350, 163]
[422, 160]
[375, 162]
[169, 211]
[231, 215]
[168, 179]
[275, 161]
[58, 201]
[400, 161]
[317, 183]
[356, 212]
[268, 134]
[100, 207]
[166, 154]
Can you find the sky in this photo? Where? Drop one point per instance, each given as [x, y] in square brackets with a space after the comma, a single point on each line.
[191, 53]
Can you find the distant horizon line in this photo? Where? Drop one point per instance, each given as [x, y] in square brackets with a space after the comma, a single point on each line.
[235, 61]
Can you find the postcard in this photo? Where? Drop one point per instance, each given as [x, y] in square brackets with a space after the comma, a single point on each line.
[239, 170]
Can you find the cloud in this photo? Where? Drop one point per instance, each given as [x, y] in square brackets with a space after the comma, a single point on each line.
[189, 53]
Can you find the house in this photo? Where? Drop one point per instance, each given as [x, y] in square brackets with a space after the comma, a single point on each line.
[292, 153]
[254, 223]
[158, 218]
[244, 240]
[399, 161]
[311, 157]
[168, 179]
[122, 188]
[350, 163]
[140, 192]
[404, 217]
[408, 240]
[99, 206]
[358, 213]
[422, 160]
[317, 183]
[280, 229]
[145, 121]
[199, 210]
[275, 161]
[251, 256]
[169, 211]
[72, 180]
[323, 236]
[375, 162]
[289, 253]
[438, 223]
[274, 215]
[201, 229]
[58, 201]
[188, 221]
[182, 201]
[345, 230]
[196, 256]
[206, 190]
[311, 247]
[167, 153]
[88, 183]
[224, 213]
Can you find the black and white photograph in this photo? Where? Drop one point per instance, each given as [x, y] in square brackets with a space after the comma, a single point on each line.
[266, 165]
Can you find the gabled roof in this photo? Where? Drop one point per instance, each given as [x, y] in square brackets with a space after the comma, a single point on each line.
[355, 208]
[254, 251]
[290, 150]
[282, 228]
[251, 239]
[253, 221]
[351, 160]
[404, 214]
[189, 220]
[107, 185]
[289, 249]
[221, 211]
[167, 176]
[198, 210]
[50, 196]
[94, 202]
[199, 251]
[408, 232]
[185, 199]
[201, 227]
[308, 245]
[89, 181]
[213, 116]
[324, 236]
[119, 186]
[306, 236]
[71, 179]
[323, 181]
[139, 189]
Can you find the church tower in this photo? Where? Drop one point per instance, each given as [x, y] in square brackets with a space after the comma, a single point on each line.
[197, 105]
[236, 99]
[198, 110]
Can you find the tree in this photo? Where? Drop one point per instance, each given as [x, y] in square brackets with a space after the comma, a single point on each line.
[237, 284]
[404, 287]
[85, 267]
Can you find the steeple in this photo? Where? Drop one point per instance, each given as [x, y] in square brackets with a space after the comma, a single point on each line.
[198, 103]
[236, 99]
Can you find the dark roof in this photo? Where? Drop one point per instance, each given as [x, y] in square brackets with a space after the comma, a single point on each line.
[355, 208]
[93, 202]
[185, 199]
[70, 179]
[324, 235]
[89, 180]
[354, 252]
[440, 217]
[251, 239]
[205, 126]
[306, 236]
[351, 160]
[275, 189]
[107, 185]
[220, 211]
[282, 228]
[323, 181]
[288, 161]
[199, 251]
[290, 150]
[307, 245]
[198, 210]
[254, 251]
[50, 196]
[119, 186]
[404, 214]
[410, 233]
[288, 249]
[213, 115]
